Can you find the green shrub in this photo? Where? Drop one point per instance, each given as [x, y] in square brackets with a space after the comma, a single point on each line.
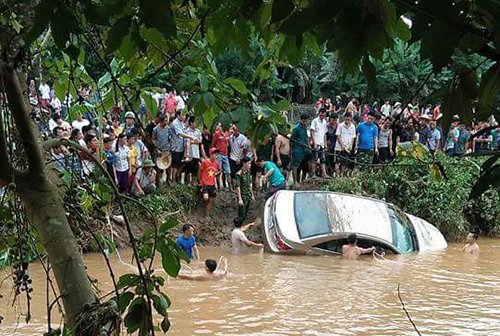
[422, 190]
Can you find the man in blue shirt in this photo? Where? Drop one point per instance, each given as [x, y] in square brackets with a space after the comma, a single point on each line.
[187, 242]
[273, 174]
[367, 140]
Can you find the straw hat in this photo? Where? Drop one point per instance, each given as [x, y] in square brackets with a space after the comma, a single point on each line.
[164, 161]
[147, 163]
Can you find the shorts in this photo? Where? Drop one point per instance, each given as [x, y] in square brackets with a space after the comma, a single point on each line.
[255, 168]
[234, 168]
[177, 159]
[300, 158]
[285, 162]
[224, 164]
[365, 156]
[319, 154]
[192, 166]
[210, 190]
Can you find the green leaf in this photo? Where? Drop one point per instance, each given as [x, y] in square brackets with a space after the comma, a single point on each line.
[117, 33]
[158, 14]
[168, 224]
[203, 80]
[128, 280]
[489, 178]
[283, 105]
[489, 89]
[160, 304]
[489, 163]
[103, 81]
[169, 258]
[281, 9]
[299, 22]
[63, 23]
[371, 76]
[137, 316]
[44, 12]
[402, 30]
[124, 301]
[439, 42]
[208, 99]
[242, 117]
[238, 85]
[165, 324]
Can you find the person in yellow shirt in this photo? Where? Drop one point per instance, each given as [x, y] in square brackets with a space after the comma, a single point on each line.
[133, 154]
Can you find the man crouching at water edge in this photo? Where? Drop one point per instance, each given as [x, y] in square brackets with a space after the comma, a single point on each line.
[471, 246]
[353, 251]
[211, 272]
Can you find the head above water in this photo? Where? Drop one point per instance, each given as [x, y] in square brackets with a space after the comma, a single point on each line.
[210, 265]
[472, 237]
[352, 238]
[238, 222]
[187, 229]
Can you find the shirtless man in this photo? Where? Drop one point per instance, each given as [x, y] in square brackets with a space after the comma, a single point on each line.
[282, 151]
[211, 272]
[471, 246]
[353, 251]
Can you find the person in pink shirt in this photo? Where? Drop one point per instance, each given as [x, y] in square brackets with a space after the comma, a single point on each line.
[170, 104]
[221, 142]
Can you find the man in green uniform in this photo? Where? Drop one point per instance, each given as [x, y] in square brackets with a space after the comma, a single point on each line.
[301, 153]
[244, 187]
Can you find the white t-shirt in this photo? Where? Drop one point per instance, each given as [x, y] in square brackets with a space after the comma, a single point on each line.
[56, 103]
[195, 148]
[347, 134]
[157, 97]
[237, 147]
[180, 103]
[320, 128]
[79, 124]
[237, 239]
[44, 91]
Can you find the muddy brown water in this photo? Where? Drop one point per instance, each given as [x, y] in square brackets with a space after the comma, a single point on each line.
[446, 293]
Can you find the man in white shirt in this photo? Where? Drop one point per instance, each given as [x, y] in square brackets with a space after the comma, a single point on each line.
[318, 137]
[346, 134]
[181, 104]
[239, 241]
[44, 89]
[238, 146]
[80, 122]
[386, 109]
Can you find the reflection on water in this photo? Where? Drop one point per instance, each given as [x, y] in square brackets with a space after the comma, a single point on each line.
[446, 293]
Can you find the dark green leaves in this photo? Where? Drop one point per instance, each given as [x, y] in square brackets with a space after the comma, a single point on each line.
[128, 280]
[165, 324]
[158, 14]
[371, 76]
[208, 98]
[460, 97]
[237, 84]
[489, 91]
[489, 178]
[124, 301]
[116, 34]
[44, 12]
[63, 23]
[138, 317]
[281, 9]
[439, 42]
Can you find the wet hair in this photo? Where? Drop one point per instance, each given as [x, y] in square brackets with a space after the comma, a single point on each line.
[238, 222]
[211, 265]
[186, 227]
[304, 116]
[352, 238]
[475, 235]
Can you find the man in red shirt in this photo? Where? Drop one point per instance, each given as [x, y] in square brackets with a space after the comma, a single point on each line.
[207, 174]
[221, 142]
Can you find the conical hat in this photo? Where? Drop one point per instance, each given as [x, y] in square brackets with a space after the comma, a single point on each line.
[163, 162]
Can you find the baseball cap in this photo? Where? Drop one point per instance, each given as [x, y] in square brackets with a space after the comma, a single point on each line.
[129, 114]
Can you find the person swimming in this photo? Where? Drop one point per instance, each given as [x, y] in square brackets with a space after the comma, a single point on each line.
[353, 251]
[211, 272]
[471, 246]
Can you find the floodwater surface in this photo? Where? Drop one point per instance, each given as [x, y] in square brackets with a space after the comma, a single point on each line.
[445, 293]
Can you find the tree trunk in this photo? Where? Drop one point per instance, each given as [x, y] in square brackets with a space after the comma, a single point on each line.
[40, 195]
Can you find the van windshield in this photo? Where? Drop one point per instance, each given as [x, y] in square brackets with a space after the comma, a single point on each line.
[311, 214]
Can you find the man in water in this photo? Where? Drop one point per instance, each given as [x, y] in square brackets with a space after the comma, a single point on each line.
[187, 243]
[239, 240]
[353, 251]
[471, 246]
[211, 272]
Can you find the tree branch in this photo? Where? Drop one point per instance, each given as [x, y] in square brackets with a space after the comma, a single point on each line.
[406, 312]
[22, 119]
[5, 165]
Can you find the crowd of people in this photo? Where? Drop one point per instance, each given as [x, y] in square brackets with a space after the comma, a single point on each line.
[142, 153]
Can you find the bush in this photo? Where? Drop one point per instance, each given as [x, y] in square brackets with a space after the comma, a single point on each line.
[436, 193]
